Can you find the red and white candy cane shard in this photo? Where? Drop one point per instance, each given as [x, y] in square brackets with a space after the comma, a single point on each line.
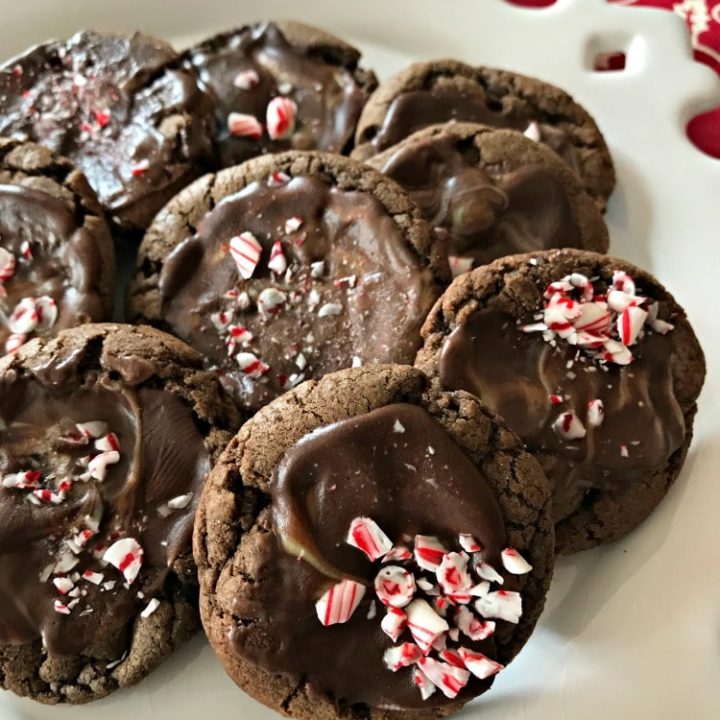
[150, 608]
[401, 656]
[397, 554]
[180, 502]
[280, 118]
[568, 426]
[14, 343]
[442, 603]
[440, 643]
[270, 301]
[555, 399]
[63, 585]
[450, 679]
[460, 265]
[24, 317]
[662, 327]
[98, 466]
[93, 577]
[240, 334]
[329, 310]
[622, 281]
[339, 602]
[480, 590]
[618, 300]
[478, 664]
[251, 365]
[47, 312]
[244, 125]
[501, 605]
[394, 622]
[394, 586]
[61, 608]
[532, 132]
[595, 413]
[487, 572]
[366, 535]
[245, 250]
[7, 265]
[427, 587]
[25, 480]
[293, 224]
[514, 562]
[317, 269]
[451, 657]
[472, 626]
[26, 250]
[65, 563]
[429, 552]
[48, 496]
[616, 352]
[594, 317]
[107, 442]
[423, 683]
[468, 543]
[425, 624]
[221, 320]
[93, 429]
[452, 573]
[277, 179]
[127, 556]
[277, 263]
[246, 80]
[630, 324]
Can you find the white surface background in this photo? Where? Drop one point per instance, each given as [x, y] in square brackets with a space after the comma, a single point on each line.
[631, 631]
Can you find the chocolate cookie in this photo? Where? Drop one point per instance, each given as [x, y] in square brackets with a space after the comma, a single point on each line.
[281, 86]
[289, 267]
[435, 92]
[57, 262]
[489, 193]
[368, 549]
[107, 435]
[594, 365]
[122, 108]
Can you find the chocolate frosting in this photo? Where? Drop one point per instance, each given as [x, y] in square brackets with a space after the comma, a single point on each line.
[65, 263]
[357, 467]
[371, 278]
[484, 213]
[328, 89]
[162, 456]
[417, 109]
[515, 373]
[119, 108]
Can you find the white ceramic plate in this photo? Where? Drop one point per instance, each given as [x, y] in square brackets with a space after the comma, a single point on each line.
[631, 631]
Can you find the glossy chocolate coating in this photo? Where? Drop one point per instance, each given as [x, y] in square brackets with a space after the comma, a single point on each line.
[162, 456]
[413, 482]
[120, 108]
[321, 78]
[371, 276]
[483, 213]
[65, 262]
[515, 373]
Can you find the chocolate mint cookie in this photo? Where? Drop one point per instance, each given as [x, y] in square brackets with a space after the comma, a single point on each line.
[489, 193]
[57, 263]
[281, 86]
[592, 363]
[367, 549]
[435, 92]
[122, 108]
[288, 267]
[107, 435]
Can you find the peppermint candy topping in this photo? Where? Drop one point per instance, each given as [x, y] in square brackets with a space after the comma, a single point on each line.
[604, 323]
[280, 118]
[246, 80]
[244, 125]
[127, 556]
[245, 251]
[365, 535]
[7, 265]
[339, 602]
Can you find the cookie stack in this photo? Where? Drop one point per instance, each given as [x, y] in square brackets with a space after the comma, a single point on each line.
[376, 364]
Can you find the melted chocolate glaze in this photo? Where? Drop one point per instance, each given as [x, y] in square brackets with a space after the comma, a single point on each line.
[65, 263]
[515, 373]
[484, 213]
[328, 89]
[370, 276]
[162, 456]
[415, 482]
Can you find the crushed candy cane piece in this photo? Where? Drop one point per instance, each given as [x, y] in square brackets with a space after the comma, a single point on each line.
[460, 265]
[63, 584]
[501, 605]
[61, 608]
[394, 622]
[478, 664]
[150, 608]
[97, 467]
[292, 225]
[317, 269]
[277, 179]
[277, 263]
[280, 118]
[245, 250]
[7, 265]
[180, 502]
[329, 309]
[127, 556]
[14, 342]
[244, 125]
[489, 573]
[397, 554]
[429, 552]
[270, 301]
[366, 535]
[107, 443]
[253, 367]
[450, 679]
[425, 624]
[395, 586]
[246, 80]
[532, 132]
[401, 656]
[514, 562]
[595, 413]
[47, 312]
[95, 578]
[472, 626]
[568, 426]
[24, 317]
[422, 682]
[468, 543]
[339, 602]
[452, 573]
[630, 324]
[24, 480]
[92, 429]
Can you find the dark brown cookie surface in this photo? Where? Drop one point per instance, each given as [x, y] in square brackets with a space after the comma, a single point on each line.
[592, 362]
[436, 92]
[107, 435]
[57, 262]
[121, 108]
[488, 193]
[281, 86]
[288, 267]
[335, 473]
